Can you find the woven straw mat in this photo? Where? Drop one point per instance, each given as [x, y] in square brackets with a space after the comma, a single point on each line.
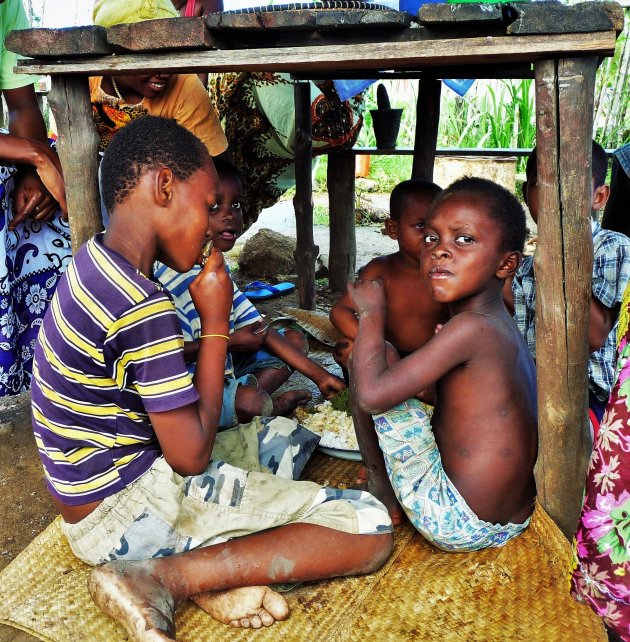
[518, 592]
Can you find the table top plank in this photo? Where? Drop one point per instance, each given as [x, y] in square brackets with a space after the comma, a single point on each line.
[373, 55]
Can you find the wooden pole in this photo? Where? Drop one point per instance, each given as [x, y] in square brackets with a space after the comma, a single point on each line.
[563, 266]
[78, 142]
[427, 122]
[343, 243]
[305, 249]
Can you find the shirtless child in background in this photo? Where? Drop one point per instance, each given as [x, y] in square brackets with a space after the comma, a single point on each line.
[465, 477]
[411, 316]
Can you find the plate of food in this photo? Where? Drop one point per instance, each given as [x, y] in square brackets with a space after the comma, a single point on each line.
[333, 422]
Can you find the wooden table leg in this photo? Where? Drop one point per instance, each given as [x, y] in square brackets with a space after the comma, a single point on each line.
[306, 251]
[563, 266]
[78, 142]
[343, 243]
[427, 123]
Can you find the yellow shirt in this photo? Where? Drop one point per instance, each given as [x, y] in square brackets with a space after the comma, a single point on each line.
[185, 100]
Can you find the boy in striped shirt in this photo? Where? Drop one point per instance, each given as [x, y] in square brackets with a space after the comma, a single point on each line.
[126, 437]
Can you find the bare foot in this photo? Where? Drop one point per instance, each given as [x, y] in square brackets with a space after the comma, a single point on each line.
[284, 404]
[248, 607]
[131, 596]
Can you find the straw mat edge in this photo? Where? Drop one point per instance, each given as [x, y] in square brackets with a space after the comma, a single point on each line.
[518, 592]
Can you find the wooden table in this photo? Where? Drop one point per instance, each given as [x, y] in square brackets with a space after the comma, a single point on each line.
[562, 44]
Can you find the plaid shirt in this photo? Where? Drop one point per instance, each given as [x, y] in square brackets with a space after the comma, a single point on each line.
[611, 272]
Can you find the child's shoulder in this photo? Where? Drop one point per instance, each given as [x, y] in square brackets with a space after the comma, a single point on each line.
[379, 267]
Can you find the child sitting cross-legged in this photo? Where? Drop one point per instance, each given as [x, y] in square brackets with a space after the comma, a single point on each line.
[128, 439]
[411, 315]
[260, 359]
[464, 476]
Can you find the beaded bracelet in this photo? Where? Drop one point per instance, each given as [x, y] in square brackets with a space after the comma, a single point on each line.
[222, 336]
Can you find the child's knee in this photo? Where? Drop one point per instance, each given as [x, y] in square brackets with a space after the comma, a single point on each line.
[252, 402]
[297, 339]
[391, 354]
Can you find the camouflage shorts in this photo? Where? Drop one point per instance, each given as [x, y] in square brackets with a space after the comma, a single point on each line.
[163, 513]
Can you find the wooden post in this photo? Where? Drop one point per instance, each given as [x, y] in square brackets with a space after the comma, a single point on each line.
[343, 243]
[427, 122]
[78, 142]
[563, 266]
[305, 249]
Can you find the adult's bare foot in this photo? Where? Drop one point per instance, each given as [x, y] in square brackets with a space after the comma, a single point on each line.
[285, 403]
[247, 607]
[130, 595]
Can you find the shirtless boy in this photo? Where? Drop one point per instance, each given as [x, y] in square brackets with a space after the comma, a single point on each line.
[411, 315]
[465, 477]
[126, 437]
[260, 359]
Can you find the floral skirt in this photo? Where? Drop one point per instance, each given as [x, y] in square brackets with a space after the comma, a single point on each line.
[32, 258]
[601, 564]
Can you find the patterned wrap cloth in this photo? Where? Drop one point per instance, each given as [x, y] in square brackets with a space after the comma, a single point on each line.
[601, 571]
[429, 498]
[32, 258]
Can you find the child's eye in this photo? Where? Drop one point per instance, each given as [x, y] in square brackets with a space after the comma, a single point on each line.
[236, 205]
[430, 238]
[215, 208]
[420, 225]
[464, 239]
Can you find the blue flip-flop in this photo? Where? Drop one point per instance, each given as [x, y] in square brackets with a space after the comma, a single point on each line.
[257, 290]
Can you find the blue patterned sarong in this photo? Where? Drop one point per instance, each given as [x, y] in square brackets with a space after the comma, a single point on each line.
[428, 497]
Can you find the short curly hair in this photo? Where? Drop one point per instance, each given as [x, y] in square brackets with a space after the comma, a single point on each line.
[501, 206]
[147, 143]
[405, 189]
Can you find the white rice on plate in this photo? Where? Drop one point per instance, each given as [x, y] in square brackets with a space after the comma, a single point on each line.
[334, 426]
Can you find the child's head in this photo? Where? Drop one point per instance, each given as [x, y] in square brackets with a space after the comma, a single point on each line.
[158, 179]
[474, 235]
[599, 168]
[147, 144]
[226, 221]
[408, 206]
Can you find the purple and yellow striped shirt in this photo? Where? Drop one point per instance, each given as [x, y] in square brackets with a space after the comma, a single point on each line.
[110, 351]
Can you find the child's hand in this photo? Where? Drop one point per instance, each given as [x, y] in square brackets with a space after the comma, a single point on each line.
[330, 385]
[212, 291]
[368, 297]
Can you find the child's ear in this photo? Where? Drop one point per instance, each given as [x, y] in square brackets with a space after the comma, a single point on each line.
[164, 186]
[524, 191]
[509, 264]
[391, 228]
[600, 197]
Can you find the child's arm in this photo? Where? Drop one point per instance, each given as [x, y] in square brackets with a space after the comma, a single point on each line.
[277, 345]
[600, 322]
[343, 314]
[380, 388]
[187, 434]
[344, 318]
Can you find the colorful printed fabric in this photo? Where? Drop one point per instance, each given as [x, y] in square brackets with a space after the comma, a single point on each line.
[258, 113]
[32, 258]
[611, 274]
[247, 488]
[429, 498]
[185, 100]
[601, 574]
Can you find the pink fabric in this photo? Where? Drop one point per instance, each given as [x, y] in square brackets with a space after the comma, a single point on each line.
[190, 9]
